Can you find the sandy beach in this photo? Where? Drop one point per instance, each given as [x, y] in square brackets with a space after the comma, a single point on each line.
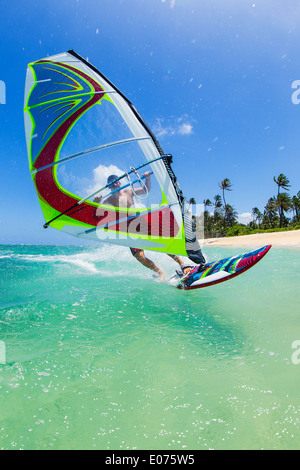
[289, 239]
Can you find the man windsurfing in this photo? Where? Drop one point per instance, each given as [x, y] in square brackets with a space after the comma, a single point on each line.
[125, 198]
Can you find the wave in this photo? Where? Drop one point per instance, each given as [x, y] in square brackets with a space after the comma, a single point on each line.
[105, 260]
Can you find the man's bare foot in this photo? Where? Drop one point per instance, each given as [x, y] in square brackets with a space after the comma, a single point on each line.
[162, 276]
[186, 270]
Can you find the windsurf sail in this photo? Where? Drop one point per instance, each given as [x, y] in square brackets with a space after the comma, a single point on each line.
[86, 144]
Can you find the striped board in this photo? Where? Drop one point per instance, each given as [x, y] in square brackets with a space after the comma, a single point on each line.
[218, 271]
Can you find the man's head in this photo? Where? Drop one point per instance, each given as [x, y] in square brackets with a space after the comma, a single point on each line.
[111, 179]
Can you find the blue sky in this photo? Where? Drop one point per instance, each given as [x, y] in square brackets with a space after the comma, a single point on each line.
[212, 78]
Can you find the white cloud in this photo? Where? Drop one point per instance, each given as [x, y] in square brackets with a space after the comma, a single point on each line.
[174, 126]
[172, 3]
[84, 186]
[185, 129]
[245, 218]
[161, 129]
[100, 175]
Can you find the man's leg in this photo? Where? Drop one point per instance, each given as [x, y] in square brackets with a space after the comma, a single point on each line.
[187, 269]
[140, 256]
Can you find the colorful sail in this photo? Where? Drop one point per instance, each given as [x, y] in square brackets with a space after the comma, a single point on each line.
[86, 142]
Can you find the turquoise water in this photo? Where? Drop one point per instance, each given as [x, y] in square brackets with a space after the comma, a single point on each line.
[98, 355]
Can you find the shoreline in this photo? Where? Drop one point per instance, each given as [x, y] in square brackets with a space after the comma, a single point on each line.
[290, 239]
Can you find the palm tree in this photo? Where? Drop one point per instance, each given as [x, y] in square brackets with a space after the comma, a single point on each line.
[283, 204]
[206, 203]
[257, 215]
[192, 201]
[296, 205]
[270, 219]
[282, 182]
[218, 203]
[225, 185]
[231, 215]
[217, 218]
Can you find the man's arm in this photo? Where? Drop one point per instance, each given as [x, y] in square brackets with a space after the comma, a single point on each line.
[147, 176]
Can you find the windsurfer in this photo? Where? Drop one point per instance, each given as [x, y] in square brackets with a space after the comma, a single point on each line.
[124, 198]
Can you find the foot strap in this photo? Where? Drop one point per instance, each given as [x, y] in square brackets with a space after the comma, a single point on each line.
[180, 271]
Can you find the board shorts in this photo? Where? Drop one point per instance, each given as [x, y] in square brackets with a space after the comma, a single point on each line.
[135, 251]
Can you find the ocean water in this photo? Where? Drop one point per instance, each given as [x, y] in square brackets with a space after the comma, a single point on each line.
[96, 354]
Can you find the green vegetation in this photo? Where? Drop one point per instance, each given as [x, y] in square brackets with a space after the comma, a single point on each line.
[281, 213]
